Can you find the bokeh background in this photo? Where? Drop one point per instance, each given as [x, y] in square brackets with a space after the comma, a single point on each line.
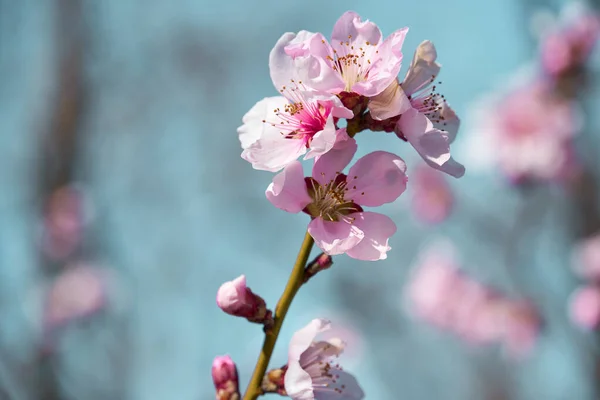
[137, 102]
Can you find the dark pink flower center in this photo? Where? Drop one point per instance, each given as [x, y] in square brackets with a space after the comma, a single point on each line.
[330, 201]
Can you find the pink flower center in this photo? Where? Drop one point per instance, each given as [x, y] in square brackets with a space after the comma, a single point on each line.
[301, 119]
[317, 362]
[330, 201]
[353, 62]
[428, 101]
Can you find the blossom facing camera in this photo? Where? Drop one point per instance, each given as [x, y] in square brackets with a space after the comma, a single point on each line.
[334, 200]
[225, 378]
[311, 373]
[235, 298]
[357, 60]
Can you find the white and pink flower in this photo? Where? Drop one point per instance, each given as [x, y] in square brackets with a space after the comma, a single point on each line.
[334, 200]
[426, 120]
[311, 374]
[357, 60]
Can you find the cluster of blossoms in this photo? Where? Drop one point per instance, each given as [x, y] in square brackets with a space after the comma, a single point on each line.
[529, 132]
[77, 289]
[585, 301]
[441, 294]
[321, 82]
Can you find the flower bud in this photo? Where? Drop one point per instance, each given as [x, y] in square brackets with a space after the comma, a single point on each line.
[235, 298]
[225, 378]
[321, 262]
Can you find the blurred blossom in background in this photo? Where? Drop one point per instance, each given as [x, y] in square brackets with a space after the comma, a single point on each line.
[125, 204]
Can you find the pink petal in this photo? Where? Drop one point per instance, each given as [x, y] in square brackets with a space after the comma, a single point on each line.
[298, 382]
[377, 229]
[329, 100]
[380, 178]
[432, 144]
[322, 141]
[288, 189]
[335, 160]
[252, 127]
[389, 103]
[450, 122]
[584, 307]
[334, 237]
[386, 66]
[281, 66]
[350, 28]
[423, 69]
[304, 337]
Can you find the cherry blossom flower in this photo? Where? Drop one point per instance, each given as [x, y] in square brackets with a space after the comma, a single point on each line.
[333, 199]
[586, 258]
[432, 199]
[441, 294]
[225, 378]
[235, 298]
[529, 134]
[310, 372]
[426, 120]
[356, 61]
[584, 307]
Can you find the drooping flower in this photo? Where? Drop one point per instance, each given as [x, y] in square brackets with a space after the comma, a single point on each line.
[357, 60]
[432, 199]
[311, 374]
[584, 307]
[225, 378]
[235, 298]
[426, 120]
[333, 199]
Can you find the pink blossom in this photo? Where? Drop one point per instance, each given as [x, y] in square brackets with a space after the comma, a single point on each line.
[584, 307]
[80, 290]
[568, 48]
[530, 132]
[432, 200]
[278, 130]
[235, 298]
[357, 60]
[586, 258]
[333, 199]
[426, 119]
[225, 378]
[439, 293]
[310, 372]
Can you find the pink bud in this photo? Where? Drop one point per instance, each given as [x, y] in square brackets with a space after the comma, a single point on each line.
[225, 378]
[236, 299]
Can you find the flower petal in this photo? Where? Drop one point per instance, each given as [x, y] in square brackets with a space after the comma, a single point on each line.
[335, 160]
[288, 189]
[334, 237]
[298, 382]
[450, 122]
[253, 124]
[347, 385]
[423, 69]
[304, 337]
[386, 66]
[389, 103]
[350, 28]
[380, 178]
[432, 144]
[377, 229]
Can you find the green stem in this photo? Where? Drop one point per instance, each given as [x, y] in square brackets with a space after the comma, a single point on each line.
[294, 282]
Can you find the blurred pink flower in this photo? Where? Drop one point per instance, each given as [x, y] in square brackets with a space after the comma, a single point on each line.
[432, 199]
[79, 291]
[356, 61]
[225, 378]
[439, 293]
[586, 258]
[235, 298]
[584, 307]
[530, 133]
[311, 374]
[333, 199]
[568, 48]
[63, 223]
